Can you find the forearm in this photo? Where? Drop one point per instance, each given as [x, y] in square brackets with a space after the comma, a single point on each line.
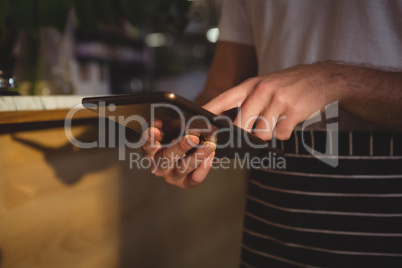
[232, 64]
[210, 91]
[371, 94]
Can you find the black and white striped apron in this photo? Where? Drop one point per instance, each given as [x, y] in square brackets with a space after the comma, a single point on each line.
[314, 215]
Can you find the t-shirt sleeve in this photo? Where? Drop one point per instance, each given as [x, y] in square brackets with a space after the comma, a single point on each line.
[234, 24]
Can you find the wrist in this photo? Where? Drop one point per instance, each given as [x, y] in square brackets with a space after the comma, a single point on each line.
[334, 81]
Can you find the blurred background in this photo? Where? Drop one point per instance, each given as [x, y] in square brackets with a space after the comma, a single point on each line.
[86, 47]
[64, 206]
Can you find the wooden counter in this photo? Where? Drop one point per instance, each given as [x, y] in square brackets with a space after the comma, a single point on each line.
[61, 206]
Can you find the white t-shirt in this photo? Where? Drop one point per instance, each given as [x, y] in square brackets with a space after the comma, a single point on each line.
[287, 33]
[293, 32]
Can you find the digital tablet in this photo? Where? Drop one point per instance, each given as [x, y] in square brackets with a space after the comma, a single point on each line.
[178, 117]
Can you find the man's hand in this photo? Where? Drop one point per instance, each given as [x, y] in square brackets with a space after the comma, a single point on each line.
[284, 99]
[288, 97]
[173, 164]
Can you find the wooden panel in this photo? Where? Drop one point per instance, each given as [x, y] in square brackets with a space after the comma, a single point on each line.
[65, 207]
[58, 203]
[23, 109]
[40, 116]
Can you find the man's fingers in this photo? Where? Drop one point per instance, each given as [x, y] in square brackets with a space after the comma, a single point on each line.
[192, 161]
[173, 153]
[152, 145]
[267, 121]
[265, 126]
[192, 169]
[249, 112]
[221, 103]
[151, 134]
[284, 129]
[156, 123]
[231, 98]
[200, 173]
